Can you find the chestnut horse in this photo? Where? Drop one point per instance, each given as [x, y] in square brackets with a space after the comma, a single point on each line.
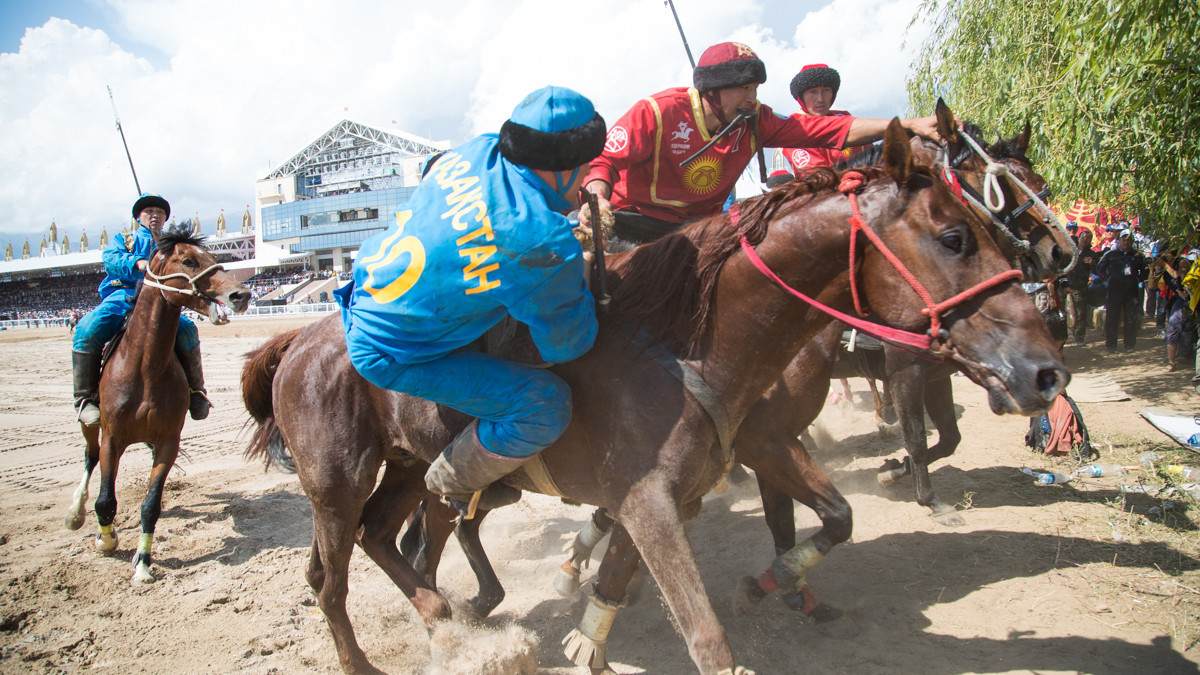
[640, 443]
[143, 392]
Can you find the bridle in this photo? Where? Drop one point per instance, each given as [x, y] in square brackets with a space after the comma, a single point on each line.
[852, 182]
[154, 281]
[992, 201]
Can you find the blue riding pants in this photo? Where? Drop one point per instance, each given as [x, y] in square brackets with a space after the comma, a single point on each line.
[521, 410]
[98, 326]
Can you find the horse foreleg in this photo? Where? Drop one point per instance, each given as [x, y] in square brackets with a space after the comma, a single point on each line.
[399, 492]
[91, 457]
[654, 522]
[164, 459]
[415, 542]
[579, 550]
[588, 644]
[491, 591]
[939, 403]
[106, 498]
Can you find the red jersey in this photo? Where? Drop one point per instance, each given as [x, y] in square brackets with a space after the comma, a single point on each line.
[804, 158]
[644, 148]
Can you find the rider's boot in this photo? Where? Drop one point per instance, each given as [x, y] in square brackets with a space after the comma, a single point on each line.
[466, 468]
[86, 376]
[199, 404]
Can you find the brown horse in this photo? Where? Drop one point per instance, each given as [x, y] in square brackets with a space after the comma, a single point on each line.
[143, 392]
[640, 443]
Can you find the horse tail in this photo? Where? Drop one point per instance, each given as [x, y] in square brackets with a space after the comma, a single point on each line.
[258, 377]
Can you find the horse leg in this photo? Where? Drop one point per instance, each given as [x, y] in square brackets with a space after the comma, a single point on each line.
[91, 457]
[654, 522]
[939, 403]
[106, 498]
[164, 459]
[397, 495]
[414, 542]
[491, 591]
[579, 550]
[334, 531]
[588, 644]
[795, 475]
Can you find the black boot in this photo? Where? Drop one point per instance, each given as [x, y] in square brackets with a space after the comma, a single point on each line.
[85, 371]
[466, 468]
[199, 404]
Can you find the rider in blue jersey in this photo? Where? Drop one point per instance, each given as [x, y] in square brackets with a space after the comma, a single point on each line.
[482, 238]
[126, 259]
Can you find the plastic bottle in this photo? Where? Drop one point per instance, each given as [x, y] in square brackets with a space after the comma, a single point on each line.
[1098, 470]
[1183, 471]
[1047, 478]
[1148, 459]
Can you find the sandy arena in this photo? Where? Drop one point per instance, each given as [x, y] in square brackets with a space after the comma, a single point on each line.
[1057, 579]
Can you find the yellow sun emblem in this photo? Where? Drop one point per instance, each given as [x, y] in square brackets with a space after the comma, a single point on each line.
[703, 175]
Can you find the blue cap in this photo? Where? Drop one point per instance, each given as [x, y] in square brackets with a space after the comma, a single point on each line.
[553, 129]
[553, 109]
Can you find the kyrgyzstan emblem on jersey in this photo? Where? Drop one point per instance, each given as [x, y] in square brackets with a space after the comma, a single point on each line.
[618, 139]
[801, 158]
[703, 175]
[683, 133]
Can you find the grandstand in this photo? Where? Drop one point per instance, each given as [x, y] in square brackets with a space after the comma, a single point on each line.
[311, 213]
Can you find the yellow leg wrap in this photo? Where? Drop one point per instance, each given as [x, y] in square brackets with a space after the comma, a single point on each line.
[105, 529]
[146, 542]
[801, 559]
[588, 644]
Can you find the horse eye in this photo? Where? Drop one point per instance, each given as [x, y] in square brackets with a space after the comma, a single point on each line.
[190, 262]
[952, 241]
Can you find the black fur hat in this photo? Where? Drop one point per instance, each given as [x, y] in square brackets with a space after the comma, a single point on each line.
[728, 64]
[147, 200]
[553, 129]
[815, 75]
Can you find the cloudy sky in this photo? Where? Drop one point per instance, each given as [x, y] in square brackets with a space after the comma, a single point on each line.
[213, 94]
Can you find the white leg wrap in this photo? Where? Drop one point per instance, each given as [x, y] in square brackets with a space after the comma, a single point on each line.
[75, 514]
[580, 548]
[802, 559]
[588, 644]
[736, 670]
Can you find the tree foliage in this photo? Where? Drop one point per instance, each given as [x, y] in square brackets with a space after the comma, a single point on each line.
[1111, 87]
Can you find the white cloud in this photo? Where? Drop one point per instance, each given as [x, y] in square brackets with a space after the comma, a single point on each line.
[248, 84]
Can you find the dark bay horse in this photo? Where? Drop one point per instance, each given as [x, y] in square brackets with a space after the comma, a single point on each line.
[143, 392]
[640, 443]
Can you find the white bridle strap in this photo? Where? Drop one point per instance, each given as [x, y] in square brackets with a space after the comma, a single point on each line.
[153, 279]
[992, 183]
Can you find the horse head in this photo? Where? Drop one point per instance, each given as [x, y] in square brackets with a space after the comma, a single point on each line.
[1028, 234]
[949, 278]
[189, 276]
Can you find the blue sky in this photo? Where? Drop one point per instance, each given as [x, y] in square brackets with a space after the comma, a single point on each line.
[214, 94]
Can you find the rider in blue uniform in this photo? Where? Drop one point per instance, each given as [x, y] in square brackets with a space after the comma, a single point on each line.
[125, 261]
[481, 238]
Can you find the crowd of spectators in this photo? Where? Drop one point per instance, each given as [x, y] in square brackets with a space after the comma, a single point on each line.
[265, 283]
[49, 297]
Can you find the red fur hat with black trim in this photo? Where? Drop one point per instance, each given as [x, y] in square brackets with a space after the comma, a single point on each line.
[728, 64]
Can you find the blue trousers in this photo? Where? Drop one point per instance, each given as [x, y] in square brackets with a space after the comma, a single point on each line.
[521, 410]
[1121, 306]
[98, 326]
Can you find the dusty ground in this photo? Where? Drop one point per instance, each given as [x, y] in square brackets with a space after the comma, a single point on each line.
[1070, 578]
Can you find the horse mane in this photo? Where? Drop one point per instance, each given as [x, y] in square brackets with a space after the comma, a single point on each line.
[168, 239]
[668, 286]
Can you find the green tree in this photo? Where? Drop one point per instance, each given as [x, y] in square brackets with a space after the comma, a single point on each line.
[1111, 87]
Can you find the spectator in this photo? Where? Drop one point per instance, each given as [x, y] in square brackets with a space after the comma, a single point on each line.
[1123, 269]
[1078, 279]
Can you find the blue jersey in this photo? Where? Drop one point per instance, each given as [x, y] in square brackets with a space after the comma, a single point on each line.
[120, 261]
[481, 237]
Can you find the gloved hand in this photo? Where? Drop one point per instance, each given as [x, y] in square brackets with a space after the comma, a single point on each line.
[585, 231]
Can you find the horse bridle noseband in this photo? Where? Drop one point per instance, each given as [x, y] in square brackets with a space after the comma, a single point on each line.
[153, 280]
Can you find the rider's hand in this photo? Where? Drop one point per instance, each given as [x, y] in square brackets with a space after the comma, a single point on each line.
[141, 265]
[586, 221]
[927, 127]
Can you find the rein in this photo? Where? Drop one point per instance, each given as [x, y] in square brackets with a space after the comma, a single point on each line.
[852, 182]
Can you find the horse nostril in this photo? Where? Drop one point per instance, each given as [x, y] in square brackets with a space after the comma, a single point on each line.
[1048, 380]
[239, 297]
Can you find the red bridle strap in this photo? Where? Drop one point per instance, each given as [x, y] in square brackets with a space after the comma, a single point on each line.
[852, 181]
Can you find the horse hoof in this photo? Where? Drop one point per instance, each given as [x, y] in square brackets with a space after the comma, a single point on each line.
[106, 543]
[891, 471]
[840, 628]
[566, 584]
[142, 575]
[74, 521]
[747, 595]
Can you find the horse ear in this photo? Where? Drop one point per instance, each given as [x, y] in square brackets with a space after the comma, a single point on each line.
[897, 153]
[947, 127]
[1021, 142]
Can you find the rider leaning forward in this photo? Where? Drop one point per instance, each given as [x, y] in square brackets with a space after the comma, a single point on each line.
[125, 261]
[640, 177]
[482, 237]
